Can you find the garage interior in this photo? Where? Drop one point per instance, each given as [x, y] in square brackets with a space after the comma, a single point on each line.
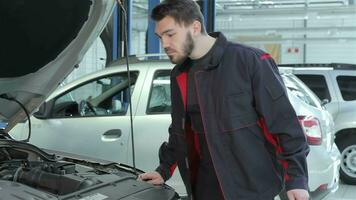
[303, 31]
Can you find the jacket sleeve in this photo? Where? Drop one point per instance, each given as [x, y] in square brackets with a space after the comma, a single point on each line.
[173, 150]
[280, 119]
[167, 158]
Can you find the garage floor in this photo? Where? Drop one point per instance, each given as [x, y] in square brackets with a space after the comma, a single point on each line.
[345, 192]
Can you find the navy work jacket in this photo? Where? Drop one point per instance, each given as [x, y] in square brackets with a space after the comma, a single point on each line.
[255, 141]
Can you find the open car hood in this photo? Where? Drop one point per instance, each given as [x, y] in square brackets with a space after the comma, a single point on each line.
[41, 43]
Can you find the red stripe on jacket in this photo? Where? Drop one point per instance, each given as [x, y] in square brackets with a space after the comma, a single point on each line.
[265, 56]
[273, 139]
[182, 83]
[191, 137]
[172, 168]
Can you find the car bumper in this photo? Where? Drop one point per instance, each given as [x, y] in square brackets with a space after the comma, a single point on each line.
[324, 179]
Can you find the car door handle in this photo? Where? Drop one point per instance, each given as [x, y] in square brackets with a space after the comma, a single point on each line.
[111, 135]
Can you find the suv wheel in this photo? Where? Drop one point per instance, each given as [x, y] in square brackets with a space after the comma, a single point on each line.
[347, 147]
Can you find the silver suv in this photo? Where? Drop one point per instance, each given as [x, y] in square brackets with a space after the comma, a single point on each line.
[335, 85]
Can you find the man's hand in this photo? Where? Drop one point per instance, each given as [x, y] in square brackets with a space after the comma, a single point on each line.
[298, 194]
[151, 177]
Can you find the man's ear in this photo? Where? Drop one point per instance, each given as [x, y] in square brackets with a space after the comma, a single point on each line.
[196, 27]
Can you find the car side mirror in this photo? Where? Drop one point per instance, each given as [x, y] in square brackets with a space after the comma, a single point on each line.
[43, 111]
[324, 102]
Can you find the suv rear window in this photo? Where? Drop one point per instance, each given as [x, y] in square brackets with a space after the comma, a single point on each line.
[297, 89]
[317, 84]
[347, 85]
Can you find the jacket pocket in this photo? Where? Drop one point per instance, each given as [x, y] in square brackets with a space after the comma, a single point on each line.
[238, 104]
[237, 112]
[230, 124]
[275, 91]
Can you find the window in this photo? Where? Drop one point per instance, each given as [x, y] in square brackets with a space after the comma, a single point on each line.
[317, 84]
[347, 85]
[93, 60]
[160, 94]
[297, 89]
[99, 97]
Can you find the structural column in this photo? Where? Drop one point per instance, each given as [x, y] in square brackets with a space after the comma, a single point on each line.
[208, 10]
[152, 44]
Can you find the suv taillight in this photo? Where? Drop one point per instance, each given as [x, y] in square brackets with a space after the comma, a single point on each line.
[312, 129]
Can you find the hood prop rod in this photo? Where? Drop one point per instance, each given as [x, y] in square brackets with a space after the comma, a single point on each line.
[129, 85]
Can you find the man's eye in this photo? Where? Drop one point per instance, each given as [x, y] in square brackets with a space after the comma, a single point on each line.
[171, 35]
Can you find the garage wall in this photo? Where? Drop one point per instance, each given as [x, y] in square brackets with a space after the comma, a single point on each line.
[303, 37]
[138, 44]
[343, 52]
[338, 49]
[315, 34]
[308, 36]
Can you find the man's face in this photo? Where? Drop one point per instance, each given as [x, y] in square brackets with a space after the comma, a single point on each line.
[176, 39]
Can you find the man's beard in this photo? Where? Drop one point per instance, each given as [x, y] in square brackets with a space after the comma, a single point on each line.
[188, 47]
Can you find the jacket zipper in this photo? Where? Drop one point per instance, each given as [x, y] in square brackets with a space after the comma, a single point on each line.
[207, 141]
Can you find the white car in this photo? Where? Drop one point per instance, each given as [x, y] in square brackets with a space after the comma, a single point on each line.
[41, 42]
[91, 115]
[335, 85]
[324, 157]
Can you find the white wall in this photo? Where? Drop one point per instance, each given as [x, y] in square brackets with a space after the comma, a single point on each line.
[325, 35]
[336, 52]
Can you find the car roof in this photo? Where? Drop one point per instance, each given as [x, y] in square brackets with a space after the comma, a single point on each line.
[335, 66]
[116, 67]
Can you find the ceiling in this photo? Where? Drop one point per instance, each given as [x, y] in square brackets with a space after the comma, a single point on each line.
[231, 5]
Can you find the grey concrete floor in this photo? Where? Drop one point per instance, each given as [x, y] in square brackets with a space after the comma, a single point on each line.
[345, 192]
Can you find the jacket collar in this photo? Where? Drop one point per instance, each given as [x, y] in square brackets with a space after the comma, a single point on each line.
[218, 51]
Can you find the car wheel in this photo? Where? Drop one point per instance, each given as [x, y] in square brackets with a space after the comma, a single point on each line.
[347, 147]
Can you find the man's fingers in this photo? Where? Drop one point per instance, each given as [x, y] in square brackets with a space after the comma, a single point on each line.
[151, 177]
[144, 176]
[298, 194]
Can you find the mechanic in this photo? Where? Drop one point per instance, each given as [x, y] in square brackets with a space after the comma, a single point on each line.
[234, 134]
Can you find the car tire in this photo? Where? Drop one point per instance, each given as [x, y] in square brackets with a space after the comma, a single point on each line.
[347, 147]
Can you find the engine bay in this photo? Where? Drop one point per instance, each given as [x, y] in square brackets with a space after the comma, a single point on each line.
[27, 172]
[55, 178]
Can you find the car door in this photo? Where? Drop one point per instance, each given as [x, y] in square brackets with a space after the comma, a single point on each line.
[91, 118]
[153, 119]
[154, 112]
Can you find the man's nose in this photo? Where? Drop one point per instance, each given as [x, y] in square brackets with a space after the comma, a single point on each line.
[164, 43]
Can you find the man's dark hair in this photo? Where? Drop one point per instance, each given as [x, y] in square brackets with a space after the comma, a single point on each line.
[182, 11]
